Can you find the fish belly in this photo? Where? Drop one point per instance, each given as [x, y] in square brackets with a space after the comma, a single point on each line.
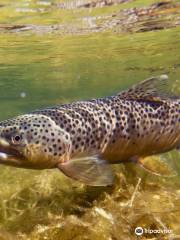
[124, 150]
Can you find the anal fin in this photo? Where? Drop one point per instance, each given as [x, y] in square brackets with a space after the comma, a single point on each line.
[156, 165]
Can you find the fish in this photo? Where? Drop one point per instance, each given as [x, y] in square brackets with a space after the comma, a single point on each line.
[84, 138]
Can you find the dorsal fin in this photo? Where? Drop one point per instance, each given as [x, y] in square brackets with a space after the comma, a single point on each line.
[153, 89]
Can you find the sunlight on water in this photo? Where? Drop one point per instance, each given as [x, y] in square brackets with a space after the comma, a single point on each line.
[53, 69]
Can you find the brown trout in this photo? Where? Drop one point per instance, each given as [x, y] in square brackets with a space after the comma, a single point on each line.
[84, 138]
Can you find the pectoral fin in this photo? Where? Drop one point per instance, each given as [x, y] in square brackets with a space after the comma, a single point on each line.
[89, 170]
[156, 165]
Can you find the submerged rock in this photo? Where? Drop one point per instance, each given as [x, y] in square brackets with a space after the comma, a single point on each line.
[162, 15]
[102, 3]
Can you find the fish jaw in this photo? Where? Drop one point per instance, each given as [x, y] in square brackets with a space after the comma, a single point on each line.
[9, 155]
[28, 157]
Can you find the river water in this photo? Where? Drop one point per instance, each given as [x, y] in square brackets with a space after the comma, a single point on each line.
[53, 52]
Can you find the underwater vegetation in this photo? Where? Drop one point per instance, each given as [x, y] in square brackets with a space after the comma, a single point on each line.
[54, 52]
[47, 206]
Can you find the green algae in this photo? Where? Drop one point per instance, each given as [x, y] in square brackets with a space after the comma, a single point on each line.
[51, 206]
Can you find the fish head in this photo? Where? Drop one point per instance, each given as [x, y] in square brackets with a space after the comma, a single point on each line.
[32, 141]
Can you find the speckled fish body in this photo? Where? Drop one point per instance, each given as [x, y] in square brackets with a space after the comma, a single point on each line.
[118, 129]
[75, 137]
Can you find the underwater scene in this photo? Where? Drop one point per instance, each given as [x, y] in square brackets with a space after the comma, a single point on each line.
[60, 51]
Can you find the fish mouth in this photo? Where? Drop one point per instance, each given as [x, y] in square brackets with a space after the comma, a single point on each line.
[9, 155]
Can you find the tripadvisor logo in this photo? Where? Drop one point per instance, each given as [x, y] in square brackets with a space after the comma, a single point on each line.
[139, 231]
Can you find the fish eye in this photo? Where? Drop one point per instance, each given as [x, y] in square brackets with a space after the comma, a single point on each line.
[16, 139]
